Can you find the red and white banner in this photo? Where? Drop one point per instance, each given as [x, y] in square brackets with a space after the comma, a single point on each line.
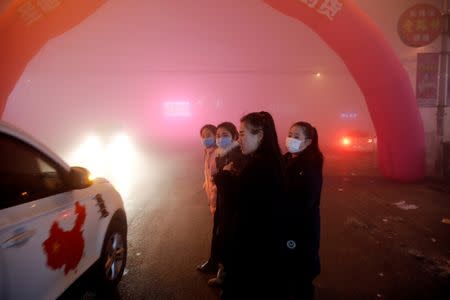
[427, 79]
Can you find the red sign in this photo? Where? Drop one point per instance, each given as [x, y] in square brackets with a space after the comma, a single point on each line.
[427, 79]
[420, 25]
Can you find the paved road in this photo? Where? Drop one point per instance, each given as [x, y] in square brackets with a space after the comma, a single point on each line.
[371, 249]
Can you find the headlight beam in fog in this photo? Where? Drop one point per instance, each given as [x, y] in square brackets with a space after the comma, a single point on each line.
[113, 159]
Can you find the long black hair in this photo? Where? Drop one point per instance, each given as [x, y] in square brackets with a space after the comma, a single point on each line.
[310, 132]
[269, 147]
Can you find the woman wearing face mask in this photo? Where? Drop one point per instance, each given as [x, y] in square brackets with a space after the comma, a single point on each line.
[228, 147]
[208, 135]
[304, 163]
[228, 153]
[253, 247]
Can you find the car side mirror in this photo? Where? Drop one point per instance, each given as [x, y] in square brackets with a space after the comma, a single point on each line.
[79, 178]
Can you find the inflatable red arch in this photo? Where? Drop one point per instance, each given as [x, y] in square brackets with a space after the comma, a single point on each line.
[26, 25]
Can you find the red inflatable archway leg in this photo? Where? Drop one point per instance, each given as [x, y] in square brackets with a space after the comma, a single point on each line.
[25, 27]
[378, 73]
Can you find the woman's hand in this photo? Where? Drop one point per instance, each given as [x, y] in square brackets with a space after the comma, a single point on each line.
[229, 167]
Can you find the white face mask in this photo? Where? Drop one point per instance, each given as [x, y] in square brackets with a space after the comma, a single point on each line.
[294, 145]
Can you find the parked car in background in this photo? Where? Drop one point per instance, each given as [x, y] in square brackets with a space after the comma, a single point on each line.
[357, 141]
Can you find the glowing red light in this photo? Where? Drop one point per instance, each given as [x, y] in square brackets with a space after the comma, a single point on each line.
[346, 141]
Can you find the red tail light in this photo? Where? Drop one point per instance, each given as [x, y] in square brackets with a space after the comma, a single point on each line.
[346, 141]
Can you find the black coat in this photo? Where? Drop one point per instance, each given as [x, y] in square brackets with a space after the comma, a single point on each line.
[235, 156]
[254, 241]
[302, 223]
[226, 183]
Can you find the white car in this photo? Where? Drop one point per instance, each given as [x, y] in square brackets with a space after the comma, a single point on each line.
[55, 222]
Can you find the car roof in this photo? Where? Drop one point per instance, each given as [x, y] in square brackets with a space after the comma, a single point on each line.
[18, 133]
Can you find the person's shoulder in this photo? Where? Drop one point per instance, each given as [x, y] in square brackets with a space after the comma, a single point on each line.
[236, 151]
[286, 156]
[313, 165]
[264, 163]
[316, 160]
[236, 154]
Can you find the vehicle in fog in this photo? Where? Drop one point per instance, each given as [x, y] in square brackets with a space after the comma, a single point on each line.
[357, 141]
[56, 222]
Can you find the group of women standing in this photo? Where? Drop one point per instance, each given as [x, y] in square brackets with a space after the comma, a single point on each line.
[266, 232]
